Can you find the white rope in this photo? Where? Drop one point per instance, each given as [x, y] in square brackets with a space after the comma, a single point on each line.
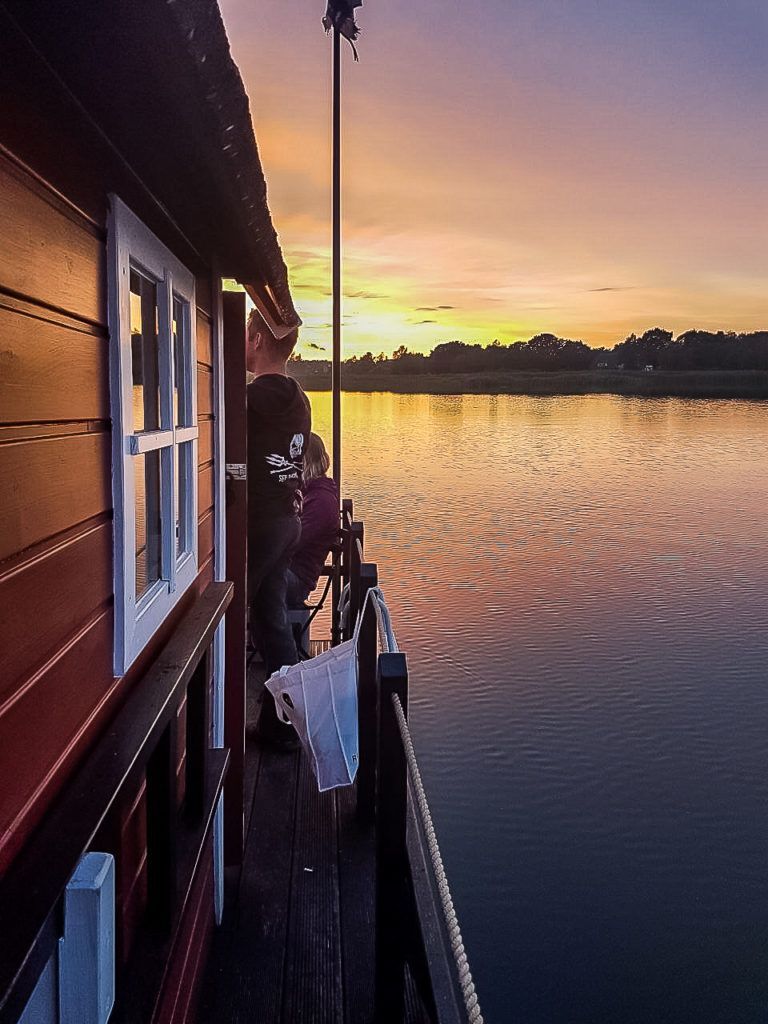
[387, 640]
[474, 1016]
[344, 606]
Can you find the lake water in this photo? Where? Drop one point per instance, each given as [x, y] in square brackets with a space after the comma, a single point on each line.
[581, 586]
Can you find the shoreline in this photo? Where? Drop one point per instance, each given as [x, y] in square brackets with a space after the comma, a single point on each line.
[739, 384]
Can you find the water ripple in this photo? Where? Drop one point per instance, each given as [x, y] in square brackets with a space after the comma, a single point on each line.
[580, 586]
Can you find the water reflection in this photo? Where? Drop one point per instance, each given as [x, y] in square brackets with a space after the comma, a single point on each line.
[580, 585]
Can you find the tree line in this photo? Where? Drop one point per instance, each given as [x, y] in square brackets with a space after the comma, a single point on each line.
[656, 349]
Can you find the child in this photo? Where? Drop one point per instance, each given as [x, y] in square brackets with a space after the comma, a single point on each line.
[319, 523]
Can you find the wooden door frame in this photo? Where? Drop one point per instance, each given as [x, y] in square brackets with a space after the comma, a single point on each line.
[220, 573]
[236, 503]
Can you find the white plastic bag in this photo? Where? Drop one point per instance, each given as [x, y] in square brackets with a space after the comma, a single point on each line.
[319, 699]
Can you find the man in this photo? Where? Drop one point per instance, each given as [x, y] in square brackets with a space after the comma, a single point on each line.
[279, 423]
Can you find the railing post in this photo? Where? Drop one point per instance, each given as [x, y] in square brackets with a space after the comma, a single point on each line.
[340, 571]
[198, 736]
[347, 514]
[391, 853]
[367, 699]
[356, 538]
[162, 827]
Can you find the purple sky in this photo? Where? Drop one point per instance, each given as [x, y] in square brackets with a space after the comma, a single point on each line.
[512, 167]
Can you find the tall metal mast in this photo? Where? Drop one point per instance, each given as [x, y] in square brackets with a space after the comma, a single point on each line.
[339, 18]
[336, 286]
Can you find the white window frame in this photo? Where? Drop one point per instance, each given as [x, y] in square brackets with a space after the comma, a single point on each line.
[130, 243]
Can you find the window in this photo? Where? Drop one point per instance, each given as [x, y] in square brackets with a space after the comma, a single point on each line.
[154, 420]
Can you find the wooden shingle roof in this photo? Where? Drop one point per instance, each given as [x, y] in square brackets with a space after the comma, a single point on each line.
[158, 78]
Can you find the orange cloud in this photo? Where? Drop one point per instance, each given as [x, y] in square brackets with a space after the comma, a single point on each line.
[505, 197]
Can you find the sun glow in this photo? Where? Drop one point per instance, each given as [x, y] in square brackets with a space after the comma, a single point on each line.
[580, 173]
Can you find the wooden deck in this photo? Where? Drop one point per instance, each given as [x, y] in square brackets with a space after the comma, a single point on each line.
[297, 940]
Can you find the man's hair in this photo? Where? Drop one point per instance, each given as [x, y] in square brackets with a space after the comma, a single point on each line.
[281, 347]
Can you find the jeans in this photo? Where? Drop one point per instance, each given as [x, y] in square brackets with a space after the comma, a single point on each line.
[297, 592]
[270, 546]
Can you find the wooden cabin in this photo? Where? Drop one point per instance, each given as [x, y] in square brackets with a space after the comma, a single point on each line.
[130, 185]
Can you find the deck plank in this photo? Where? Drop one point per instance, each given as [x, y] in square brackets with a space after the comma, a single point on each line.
[245, 978]
[357, 849]
[296, 945]
[313, 981]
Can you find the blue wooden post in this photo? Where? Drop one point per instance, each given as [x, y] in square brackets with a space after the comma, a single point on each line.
[87, 951]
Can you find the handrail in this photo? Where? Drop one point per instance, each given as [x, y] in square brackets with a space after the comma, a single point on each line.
[141, 736]
[411, 885]
[412, 893]
[346, 512]
[354, 578]
[367, 692]
[404, 872]
[463, 972]
[341, 568]
[392, 916]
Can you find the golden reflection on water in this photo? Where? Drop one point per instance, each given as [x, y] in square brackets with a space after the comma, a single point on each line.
[522, 488]
[579, 585]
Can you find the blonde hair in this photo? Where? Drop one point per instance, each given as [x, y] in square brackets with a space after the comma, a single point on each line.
[316, 459]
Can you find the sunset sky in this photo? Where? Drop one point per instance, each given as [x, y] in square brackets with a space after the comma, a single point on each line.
[584, 167]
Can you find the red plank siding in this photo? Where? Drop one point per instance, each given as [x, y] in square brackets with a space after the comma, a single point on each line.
[132, 869]
[204, 392]
[46, 726]
[184, 976]
[46, 256]
[205, 539]
[204, 491]
[51, 485]
[81, 567]
[46, 129]
[205, 442]
[131, 910]
[181, 746]
[50, 369]
[57, 692]
[204, 342]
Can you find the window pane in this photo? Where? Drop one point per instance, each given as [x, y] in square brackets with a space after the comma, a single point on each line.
[148, 535]
[182, 371]
[184, 512]
[144, 353]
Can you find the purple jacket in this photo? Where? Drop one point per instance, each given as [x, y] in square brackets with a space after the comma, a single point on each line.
[319, 529]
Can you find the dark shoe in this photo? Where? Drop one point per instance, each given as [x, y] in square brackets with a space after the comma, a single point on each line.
[282, 738]
[270, 731]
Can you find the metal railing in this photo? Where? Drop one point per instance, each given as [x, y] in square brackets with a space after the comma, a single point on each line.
[416, 922]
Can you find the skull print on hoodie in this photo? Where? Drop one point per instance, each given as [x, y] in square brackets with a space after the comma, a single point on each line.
[279, 422]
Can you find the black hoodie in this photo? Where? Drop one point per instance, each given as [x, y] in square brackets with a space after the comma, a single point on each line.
[279, 422]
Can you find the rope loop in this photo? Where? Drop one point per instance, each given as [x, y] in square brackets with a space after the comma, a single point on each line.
[471, 1003]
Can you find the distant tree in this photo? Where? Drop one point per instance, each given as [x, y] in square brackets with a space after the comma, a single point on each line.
[693, 350]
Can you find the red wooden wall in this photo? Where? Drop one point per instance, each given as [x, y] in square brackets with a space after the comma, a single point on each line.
[57, 690]
[55, 504]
